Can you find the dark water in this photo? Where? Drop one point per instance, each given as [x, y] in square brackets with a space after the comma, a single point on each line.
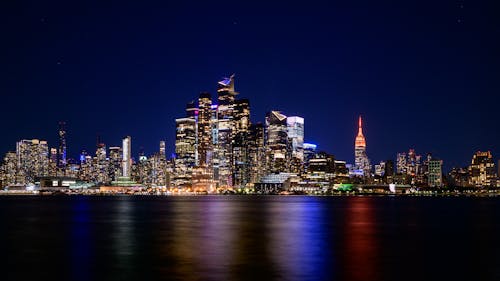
[249, 238]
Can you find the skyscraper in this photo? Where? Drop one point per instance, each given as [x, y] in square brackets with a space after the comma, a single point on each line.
[361, 160]
[204, 129]
[309, 152]
[185, 148]
[482, 170]
[62, 144]
[162, 150]
[276, 142]
[115, 162]
[226, 128]
[295, 130]
[256, 152]
[33, 159]
[435, 173]
[127, 156]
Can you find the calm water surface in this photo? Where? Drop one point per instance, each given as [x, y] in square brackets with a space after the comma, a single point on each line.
[249, 238]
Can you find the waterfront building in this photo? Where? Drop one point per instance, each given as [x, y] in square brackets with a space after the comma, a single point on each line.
[435, 172]
[309, 152]
[321, 170]
[341, 174]
[482, 170]
[9, 170]
[459, 177]
[33, 160]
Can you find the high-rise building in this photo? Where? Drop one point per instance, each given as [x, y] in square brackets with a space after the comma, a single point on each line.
[62, 144]
[380, 169]
[309, 152]
[33, 159]
[241, 168]
[256, 152]
[127, 157]
[458, 177]
[226, 129]
[162, 150]
[401, 163]
[204, 129]
[295, 127]
[277, 143]
[361, 160]
[185, 148]
[100, 164]
[482, 170]
[435, 173]
[9, 170]
[115, 162]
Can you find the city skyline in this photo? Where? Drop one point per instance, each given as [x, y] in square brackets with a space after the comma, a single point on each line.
[440, 100]
[218, 147]
[137, 150]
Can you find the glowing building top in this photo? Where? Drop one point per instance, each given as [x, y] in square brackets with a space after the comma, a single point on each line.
[360, 139]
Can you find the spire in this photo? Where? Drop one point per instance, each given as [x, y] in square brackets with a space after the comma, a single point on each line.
[360, 138]
[360, 128]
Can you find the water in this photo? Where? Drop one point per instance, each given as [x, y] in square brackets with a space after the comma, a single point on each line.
[249, 238]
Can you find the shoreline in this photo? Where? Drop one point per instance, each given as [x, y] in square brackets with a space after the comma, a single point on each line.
[351, 194]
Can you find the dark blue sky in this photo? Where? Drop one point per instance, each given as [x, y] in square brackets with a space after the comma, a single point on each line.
[424, 74]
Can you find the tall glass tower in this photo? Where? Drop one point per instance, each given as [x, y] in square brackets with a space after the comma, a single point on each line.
[127, 156]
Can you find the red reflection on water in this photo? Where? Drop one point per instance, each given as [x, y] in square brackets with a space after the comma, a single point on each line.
[361, 247]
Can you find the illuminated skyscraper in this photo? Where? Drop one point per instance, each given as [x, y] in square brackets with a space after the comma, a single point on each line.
[435, 172]
[295, 126]
[115, 162]
[482, 170]
[256, 153]
[127, 157]
[226, 128]
[309, 152]
[100, 165]
[204, 129]
[9, 170]
[162, 150]
[276, 143]
[361, 160]
[240, 135]
[401, 167]
[62, 144]
[33, 159]
[185, 148]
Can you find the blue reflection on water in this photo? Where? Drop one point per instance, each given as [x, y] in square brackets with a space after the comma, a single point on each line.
[300, 244]
[80, 239]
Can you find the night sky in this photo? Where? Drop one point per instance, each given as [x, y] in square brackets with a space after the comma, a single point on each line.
[423, 74]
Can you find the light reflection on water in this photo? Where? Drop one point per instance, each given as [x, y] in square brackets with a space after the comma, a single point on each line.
[249, 238]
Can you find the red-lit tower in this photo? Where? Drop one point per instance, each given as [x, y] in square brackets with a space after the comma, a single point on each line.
[361, 160]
